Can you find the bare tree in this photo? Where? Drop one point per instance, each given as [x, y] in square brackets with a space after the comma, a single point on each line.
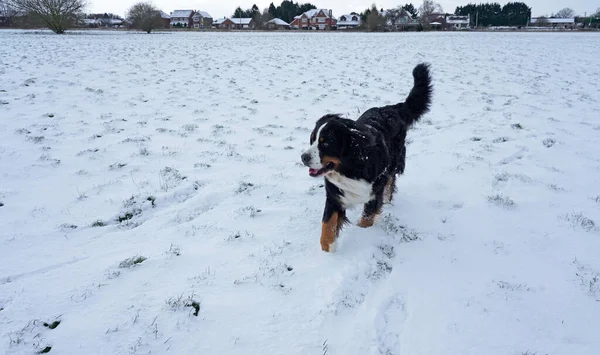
[428, 8]
[262, 19]
[393, 15]
[567, 12]
[597, 14]
[7, 13]
[144, 16]
[57, 15]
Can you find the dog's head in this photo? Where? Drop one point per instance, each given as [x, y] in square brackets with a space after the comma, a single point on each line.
[328, 144]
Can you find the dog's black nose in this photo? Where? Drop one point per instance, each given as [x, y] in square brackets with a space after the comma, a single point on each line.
[305, 158]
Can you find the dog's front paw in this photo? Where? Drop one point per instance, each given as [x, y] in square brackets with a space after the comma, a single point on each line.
[329, 247]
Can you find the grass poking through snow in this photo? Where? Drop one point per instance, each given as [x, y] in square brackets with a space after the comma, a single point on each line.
[131, 262]
[501, 201]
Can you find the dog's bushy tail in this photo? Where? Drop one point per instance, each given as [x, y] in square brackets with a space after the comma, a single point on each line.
[419, 99]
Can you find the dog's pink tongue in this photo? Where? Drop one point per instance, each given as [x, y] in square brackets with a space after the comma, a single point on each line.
[312, 171]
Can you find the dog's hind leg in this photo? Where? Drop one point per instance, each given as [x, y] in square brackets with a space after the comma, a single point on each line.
[390, 189]
[402, 161]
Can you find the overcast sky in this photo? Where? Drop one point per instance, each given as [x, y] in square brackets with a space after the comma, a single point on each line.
[222, 8]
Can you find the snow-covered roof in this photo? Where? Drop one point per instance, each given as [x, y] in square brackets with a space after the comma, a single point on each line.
[202, 14]
[311, 12]
[314, 12]
[278, 22]
[181, 13]
[219, 21]
[349, 17]
[165, 15]
[403, 13]
[348, 20]
[553, 20]
[241, 20]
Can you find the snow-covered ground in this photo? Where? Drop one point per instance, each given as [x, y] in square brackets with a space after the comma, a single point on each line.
[152, 197]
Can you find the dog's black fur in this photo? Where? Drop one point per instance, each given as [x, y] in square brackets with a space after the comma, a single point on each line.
[370, 149]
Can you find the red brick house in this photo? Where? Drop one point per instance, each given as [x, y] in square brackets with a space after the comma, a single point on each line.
[223, 24]
[244, 23]
[315, 19]
[165, 19]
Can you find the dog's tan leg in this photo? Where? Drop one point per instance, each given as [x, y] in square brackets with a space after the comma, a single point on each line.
[389, 189]
[368, 221]
[329, 233]
[330, 230]
[370, 211]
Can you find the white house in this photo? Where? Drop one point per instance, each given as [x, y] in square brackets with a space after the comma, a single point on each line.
[182, 18]
[348, 21]
[458, 22]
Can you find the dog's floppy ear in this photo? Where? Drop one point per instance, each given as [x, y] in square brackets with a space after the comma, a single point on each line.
[353, 139]
[357, 137]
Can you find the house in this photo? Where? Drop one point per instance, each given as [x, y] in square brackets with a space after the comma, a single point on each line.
[243, 23]
[436, 20]
[107, 22]
[458, 22]
[299, 22]
[399, 20]
[315, 19]
[277, 24]
[223, 23]
[115, 23]
[348, 21]
[91, 22]
[202, 19]
[165, 19]
[552, 22]
[182, 18]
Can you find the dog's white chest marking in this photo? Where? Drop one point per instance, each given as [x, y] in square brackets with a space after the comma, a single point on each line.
[355, 192]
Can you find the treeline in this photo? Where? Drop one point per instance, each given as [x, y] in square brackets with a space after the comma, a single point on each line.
[409, 8]
[492, 14]
[103, 16]
[286, 11]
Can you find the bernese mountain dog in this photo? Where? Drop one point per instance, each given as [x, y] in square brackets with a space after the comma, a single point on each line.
[360, 159]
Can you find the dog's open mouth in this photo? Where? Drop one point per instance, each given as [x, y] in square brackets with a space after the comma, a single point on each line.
[324, 170]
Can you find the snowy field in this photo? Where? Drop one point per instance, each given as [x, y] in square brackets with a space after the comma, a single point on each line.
[153, 199]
